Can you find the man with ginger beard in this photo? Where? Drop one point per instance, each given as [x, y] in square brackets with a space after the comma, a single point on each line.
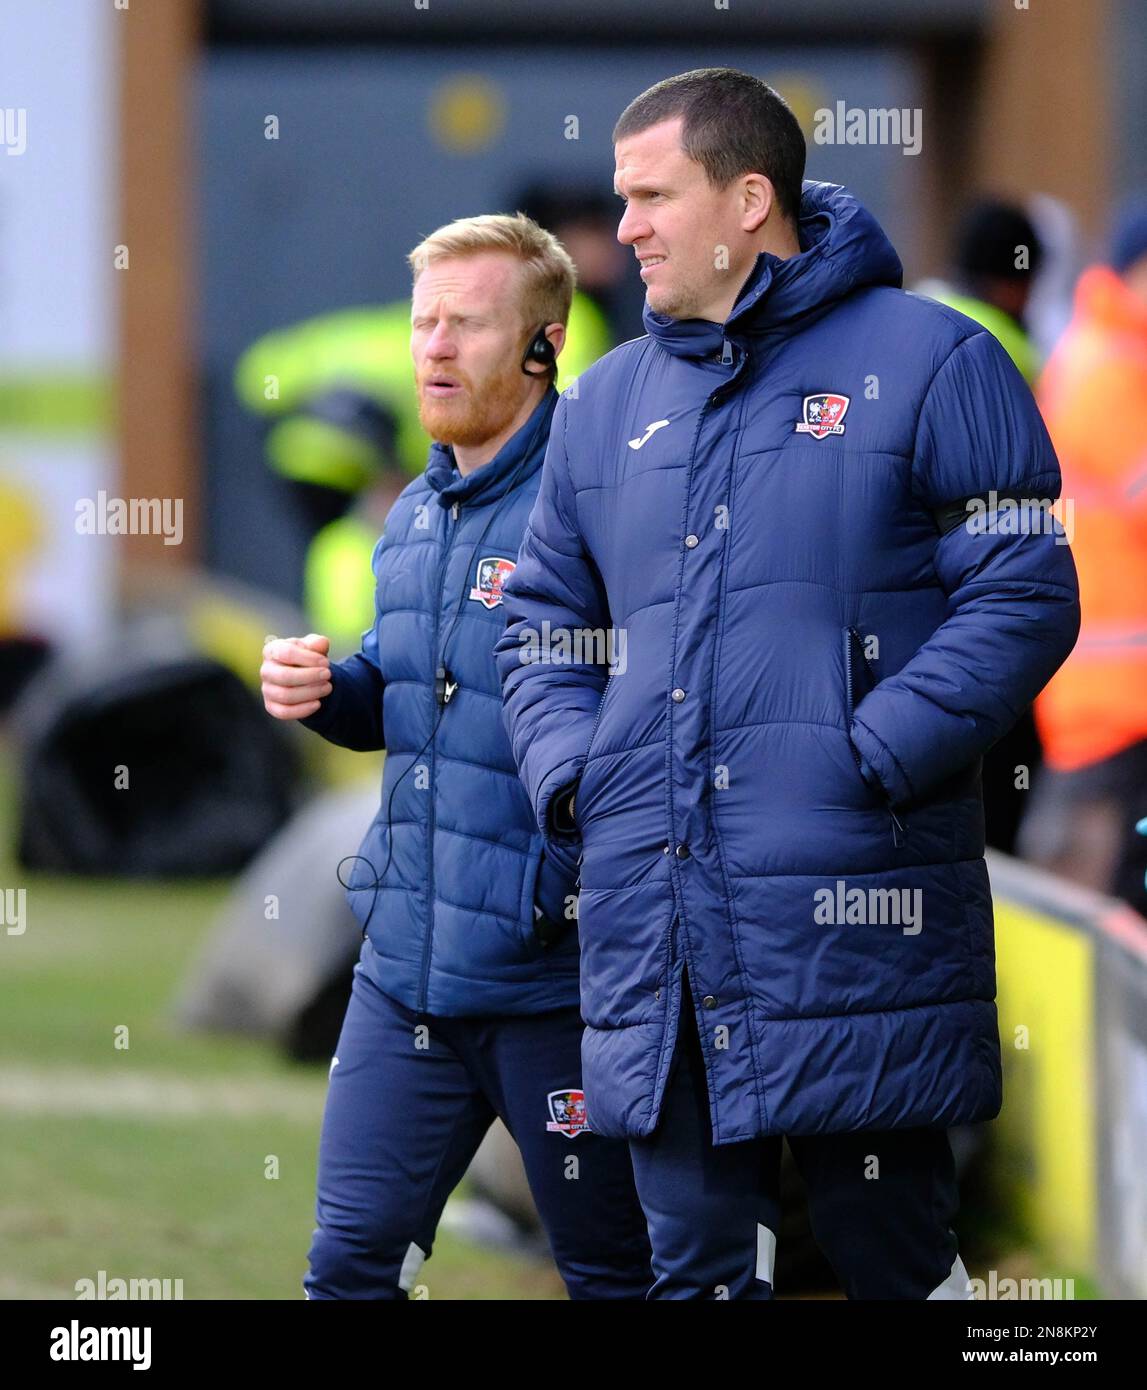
[464, 1005]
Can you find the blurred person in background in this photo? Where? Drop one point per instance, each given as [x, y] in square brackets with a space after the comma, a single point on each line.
[1092, 717]
[345, 437]
[1049, 305]
[997, 255]
[583, 219]
[464, 1003]
[22, 529]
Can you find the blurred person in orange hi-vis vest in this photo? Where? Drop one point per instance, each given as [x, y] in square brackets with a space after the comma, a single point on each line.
[1092, 716]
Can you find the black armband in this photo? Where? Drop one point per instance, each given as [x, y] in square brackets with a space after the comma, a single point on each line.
[949, 515]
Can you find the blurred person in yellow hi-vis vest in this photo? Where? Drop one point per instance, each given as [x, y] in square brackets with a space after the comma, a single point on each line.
[1092, 716]
[339, 390]
[996, 256]
[23, 531]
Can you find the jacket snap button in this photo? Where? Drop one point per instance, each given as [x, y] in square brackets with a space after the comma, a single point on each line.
[682, 851]
[664, 849]
[691, 541]
[709, 1002]
[678, 694]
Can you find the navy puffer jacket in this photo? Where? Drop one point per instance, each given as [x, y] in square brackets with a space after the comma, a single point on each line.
[778, 797]
[450, 914]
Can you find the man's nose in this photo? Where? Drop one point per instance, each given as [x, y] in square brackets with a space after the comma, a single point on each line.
[439, 344]
[632, 227]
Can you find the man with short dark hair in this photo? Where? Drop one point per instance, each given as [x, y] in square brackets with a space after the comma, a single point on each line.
[787, 497]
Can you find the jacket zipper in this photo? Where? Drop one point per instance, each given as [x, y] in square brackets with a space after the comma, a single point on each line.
[899, 831]
[425, 980]
[597, 716]
[670, 932]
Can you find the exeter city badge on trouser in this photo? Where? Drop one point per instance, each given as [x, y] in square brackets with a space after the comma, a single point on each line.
[567, 1113]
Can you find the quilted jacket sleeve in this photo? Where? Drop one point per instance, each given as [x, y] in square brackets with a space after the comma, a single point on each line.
[549, 706]
[1013, 599]
[351, 715]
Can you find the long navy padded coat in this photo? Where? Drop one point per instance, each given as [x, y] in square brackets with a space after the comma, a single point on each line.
[815, 659]
[450, 871]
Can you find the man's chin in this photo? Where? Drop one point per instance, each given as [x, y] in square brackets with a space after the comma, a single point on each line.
[444, 420]
[474, 416]
[665, 301]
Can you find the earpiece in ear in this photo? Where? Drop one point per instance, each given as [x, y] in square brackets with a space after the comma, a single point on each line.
[540, 350]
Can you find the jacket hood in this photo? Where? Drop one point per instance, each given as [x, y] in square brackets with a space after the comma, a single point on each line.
[843, 248]
[517, 459]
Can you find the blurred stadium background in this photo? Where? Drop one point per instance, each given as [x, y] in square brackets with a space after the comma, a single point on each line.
[201, 197]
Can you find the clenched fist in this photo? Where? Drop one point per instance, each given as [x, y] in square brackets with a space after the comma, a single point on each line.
[296, 675]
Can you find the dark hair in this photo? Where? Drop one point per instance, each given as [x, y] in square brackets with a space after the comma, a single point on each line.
[988, 237]
[733, 124]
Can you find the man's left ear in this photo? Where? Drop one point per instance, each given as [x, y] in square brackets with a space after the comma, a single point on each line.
[760, 199]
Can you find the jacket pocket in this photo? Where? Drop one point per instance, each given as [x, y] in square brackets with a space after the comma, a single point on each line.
[579, 803]
[853, 656]
[557, 882]
[363, 873]
[526, 915]
[859, 679]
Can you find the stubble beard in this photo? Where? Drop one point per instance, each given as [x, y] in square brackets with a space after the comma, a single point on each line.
[675, 302]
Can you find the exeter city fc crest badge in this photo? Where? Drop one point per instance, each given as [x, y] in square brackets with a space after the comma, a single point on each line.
[492, 573]
[823, 414]
[567, 1113]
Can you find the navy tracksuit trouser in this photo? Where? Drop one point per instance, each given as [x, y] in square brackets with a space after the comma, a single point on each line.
[411, 1097]
[880, 1203]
